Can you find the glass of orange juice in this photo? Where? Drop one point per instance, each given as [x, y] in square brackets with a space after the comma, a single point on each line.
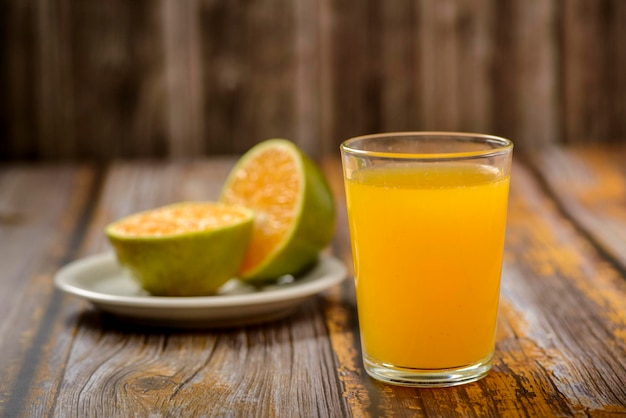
[427, 216]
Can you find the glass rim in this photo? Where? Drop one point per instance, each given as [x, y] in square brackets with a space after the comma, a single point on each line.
[504, 145]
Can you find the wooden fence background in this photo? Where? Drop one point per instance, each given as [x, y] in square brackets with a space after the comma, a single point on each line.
[102, 79]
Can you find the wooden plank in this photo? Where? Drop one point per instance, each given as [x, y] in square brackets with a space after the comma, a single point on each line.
[119, 79]
[309, 66]
[440, 66]
[270, 60]
[260, 371]
[594, 59]
[84, 80]
[526, 102]
[474, 30]
[617, 81]
[356, 82]
[42, 218]
[224, 80]
[123, 79]
[17, 130]
[590, 186]
[401, 107]
[563, 309]
[264, 371]
[328, 143]
[158, 185]
[455, 60]
[56, 136]
[183, 67]
[561, 345]
[249, 86]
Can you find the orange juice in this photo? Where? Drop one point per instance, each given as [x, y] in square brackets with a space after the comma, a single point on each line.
[427, 242]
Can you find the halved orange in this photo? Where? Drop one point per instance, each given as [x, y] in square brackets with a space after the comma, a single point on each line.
[293, 206]
[184, 249]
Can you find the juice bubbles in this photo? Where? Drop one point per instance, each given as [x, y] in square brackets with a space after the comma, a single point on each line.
[427, 242]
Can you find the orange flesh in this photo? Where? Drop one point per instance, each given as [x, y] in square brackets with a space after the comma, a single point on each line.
[268, 183]
[179, 219]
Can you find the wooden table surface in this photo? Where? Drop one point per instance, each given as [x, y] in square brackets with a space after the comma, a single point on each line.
[561, 339]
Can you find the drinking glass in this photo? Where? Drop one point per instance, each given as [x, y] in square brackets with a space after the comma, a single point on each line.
[427, 216]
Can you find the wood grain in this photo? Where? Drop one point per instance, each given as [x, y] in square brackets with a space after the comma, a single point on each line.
[399, 67]
[45, 211]
[251, 81]
[561, 338]
[456, 53]
[182, 44]
[87, 79]
[527, 101]
[594, 94]
[560, 309]
[122, 81]
[589, 185]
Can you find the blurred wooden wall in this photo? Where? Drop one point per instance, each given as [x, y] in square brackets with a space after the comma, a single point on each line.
[185, 78]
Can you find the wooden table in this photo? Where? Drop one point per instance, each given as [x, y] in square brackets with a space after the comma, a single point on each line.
[561, 347]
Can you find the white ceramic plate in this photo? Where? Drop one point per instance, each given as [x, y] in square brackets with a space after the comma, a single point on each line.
[101, 280]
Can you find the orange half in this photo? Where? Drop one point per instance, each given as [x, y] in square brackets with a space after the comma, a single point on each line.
[293, 206]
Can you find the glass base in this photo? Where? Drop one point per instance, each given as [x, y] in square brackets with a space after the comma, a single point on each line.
[403, 376]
